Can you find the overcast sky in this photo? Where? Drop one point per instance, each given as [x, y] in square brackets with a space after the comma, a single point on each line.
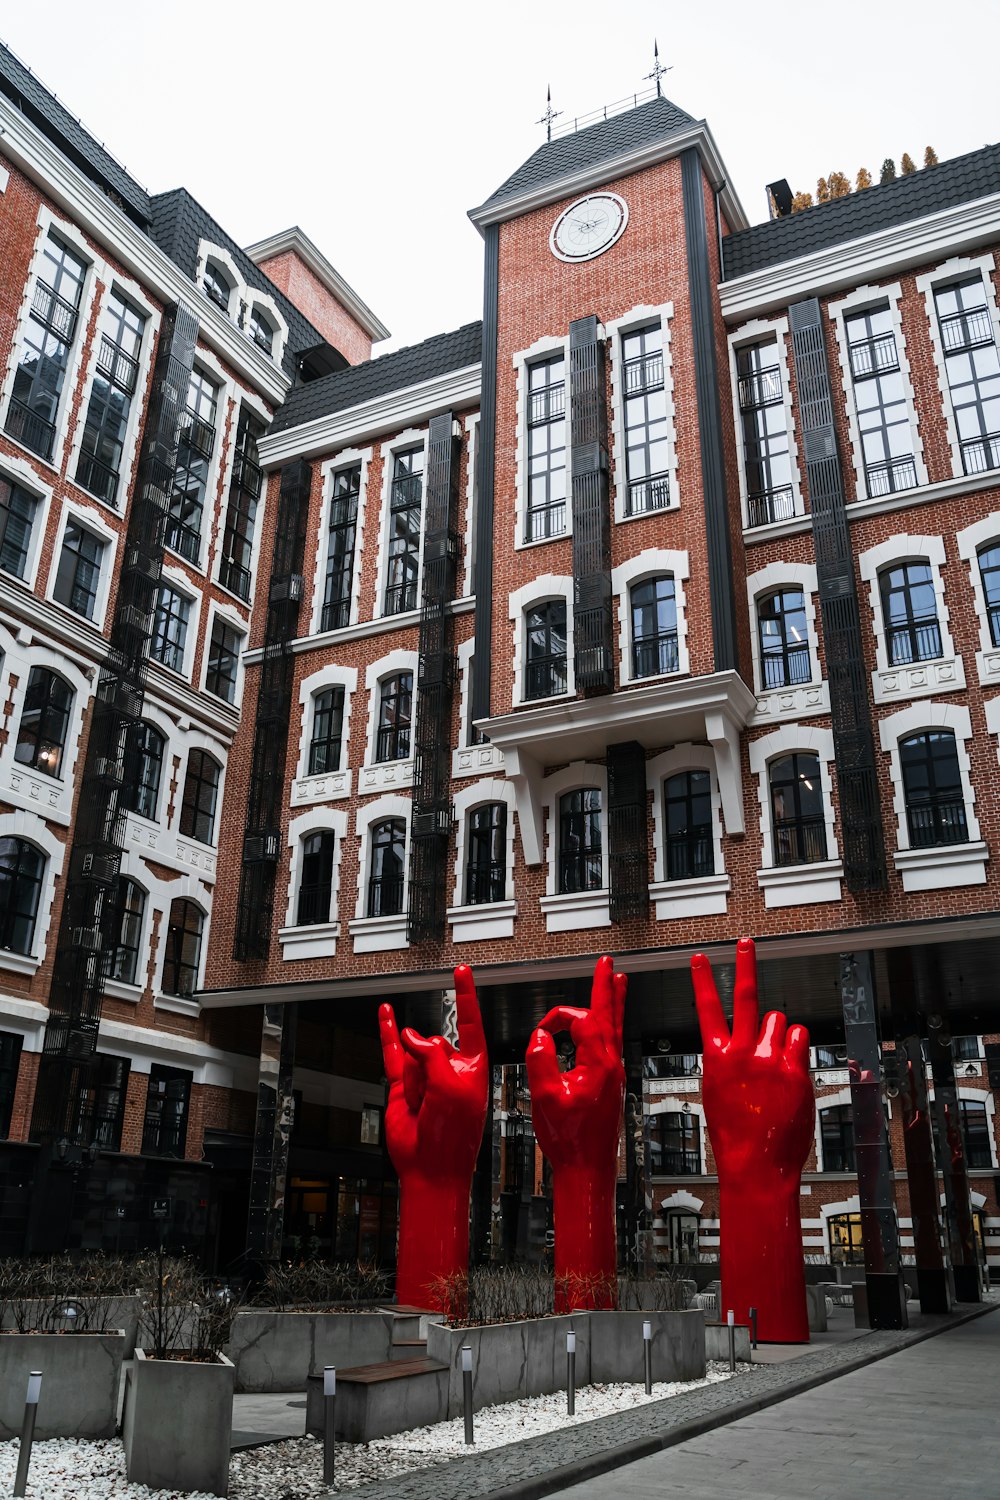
[376, 126]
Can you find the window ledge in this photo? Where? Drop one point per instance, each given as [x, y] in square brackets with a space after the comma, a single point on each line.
[477, 924]
[919, 679]
[383, 775]
[944, 865]
[703, 896]
[801, 885]
[543, 541]
[196, 856]
[177, 1004]
[802, 521]
[378, 934]
[988, 667]
[328, 787]
[20, 963]
[41, 795]
[577, 910]
[798, 702]
[119, 990]
[316, 941]
[621, 519]
[477, 760]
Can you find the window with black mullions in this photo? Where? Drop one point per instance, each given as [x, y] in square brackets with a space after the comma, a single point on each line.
[766, 451]
[687, 806]
[195, 446]
[260, 330]
[143, 767]
[486, 860]
[316, 881]
[340, 545]
[217, 287]
[880, 402]
[799, 822]
[647, 448]
[932, 789]
[386, 876]
[976, 1132]
[182, 956]
[201, 793]
[546, 513]
[41, 735]
[10, 1061]
[654, 627]
[79, 572]
[17, 517]
[122, 961]
[405, 504]
[164, 1131]
[21, 869]
[909, 609]
[545, 662]
[837, 1137]
[170, 627]
[325, 744]
[101, 1104]
[674, 1144]
[99, 467]
[581, 867]
[784, 638]
[49, 335]
[395, 714]
[236, 568]
[972, 363]
[989, 571]
[223, 660]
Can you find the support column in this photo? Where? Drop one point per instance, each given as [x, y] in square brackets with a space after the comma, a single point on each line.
[638, 1199]
[879, 1228]
[934, 1280]
[951, 1148]
[275, 1116]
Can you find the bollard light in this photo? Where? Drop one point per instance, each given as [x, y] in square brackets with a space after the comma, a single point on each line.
[731, 1325]
[647, 1354]
[330, 1380]
[27, 1431]
[753, 1328]
[34, 1388]
[470, 1436]
[731, 1318]
[466, 1359]
[571, 1342]
[329, 1423]
[571, 1372]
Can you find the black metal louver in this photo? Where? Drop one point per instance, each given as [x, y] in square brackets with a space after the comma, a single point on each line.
[628, 830]
[860, 812]
[592, 635]
[431, 821]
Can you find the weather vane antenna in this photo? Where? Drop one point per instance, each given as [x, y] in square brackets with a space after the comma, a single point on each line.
[659, 71]
[549, 115]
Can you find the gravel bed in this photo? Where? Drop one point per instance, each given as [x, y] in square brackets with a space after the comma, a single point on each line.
[80, 1469]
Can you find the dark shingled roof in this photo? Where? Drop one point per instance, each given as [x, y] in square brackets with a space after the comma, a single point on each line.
[928, 191]
[381, 376]
[607, 139]
[55, 122]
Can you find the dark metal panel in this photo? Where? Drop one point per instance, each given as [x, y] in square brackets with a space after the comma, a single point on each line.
[588, 418]
[275, 1117]
[483, 529]
[628, 830]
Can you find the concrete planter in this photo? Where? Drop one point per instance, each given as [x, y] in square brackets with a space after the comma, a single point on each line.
[81, 1373]
[114, 1312]
[616, 1345]
[511, 1360]
[717, 1341]
[178, 1424]
[278, 1351]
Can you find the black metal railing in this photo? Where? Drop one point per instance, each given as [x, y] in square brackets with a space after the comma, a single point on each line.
[545, 521]
[918, 641]
[261, 338]
[545, 678]
[664, 1162]
[874, 356]
[401, 597]
[183, 539]
[197, 433]
[762, 388]
[385, 896]
[247, 475]
[940, 822]
[690, 855]
[982, 453]
[994, 613]
[546, 405]
[120, 368]
[892, 475]
[216, 295]
[336, 615]
[392, 742]
[313, 904]
[789, 668]
[407, 491]
[970, 329]
[55, 312]
[646, 495]
[771, 505]
[644, 373]
[100, 479]
[27, 427]
[235, 577]
[799, 841]
[484, 884]
[660, 654]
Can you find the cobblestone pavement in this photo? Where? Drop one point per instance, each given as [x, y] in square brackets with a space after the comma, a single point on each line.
[557, 1461]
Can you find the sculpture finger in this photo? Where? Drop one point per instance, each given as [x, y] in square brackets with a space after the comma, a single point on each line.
[471, 1038]
[414, 1082]
[711, 1016]
[602, 993]
[542, 1063]
[561, 1018]
[745, 997]
[797, 1048]
[772, 1034]
[392, 1051]
[434, 1053]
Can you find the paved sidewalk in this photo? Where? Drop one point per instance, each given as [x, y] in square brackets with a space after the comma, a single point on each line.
[919, 1425]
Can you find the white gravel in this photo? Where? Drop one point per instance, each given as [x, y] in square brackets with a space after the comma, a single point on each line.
[62, 1469]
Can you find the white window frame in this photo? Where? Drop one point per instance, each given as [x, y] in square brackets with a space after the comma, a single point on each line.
[942, 674]
[241, 397]
[212, 371]
[257, 301]
[958, 268]
[468, 759]
[703, 895]
[17, 471]
[179, 581]
[379, 934]
[539, 591]
[643, 316]
[348, 458]
[157, 718]
[319, 939]
[379, 776]
[674, 1105]
[24, 786]
[493, 919]
[970, 540]
[871, 299]
[188, 888]
[197, 739]
[238, 294]
[403, 442]
[219, 610]
[537, 353]
[574, 911]
[943, 865]
[796, 885]
[93, 521]
[331, 785]
[33, 829]
[827, 1101]
[652, 563]
[765, 331]
[803, 698]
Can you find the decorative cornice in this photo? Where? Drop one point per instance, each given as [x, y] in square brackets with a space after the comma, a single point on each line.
[300, 244]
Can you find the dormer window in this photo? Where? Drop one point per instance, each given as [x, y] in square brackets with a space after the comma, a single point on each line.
[217, 287]
[260, 330]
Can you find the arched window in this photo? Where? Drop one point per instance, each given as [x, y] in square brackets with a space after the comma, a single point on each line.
[21, 869]
[386, 877]
[486, 863]
[784, 639]
[932, 789]
[316, 880]
[327, 731]
[201, 792]
[123, 958]
[260, 330]
[909, 610]
[674, 1144]
[989, 571]
[836, 1127]
[41, 737]
[395, 709]
[687, 808]
[143, 767]
[797, 809]
[654, 627]
[182, 958]
[217, 287]
[545, 663]
[580, 864]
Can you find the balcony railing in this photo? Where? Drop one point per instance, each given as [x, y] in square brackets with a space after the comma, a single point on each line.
[314, 904]
[690, 855]
[788, 668]
[197, 433]
[385, 896]
[235, 577]
[392, 743]
[937, 823]
[545, 678]
[182, 538]
[100, 479]
[55, 312]
[545, 521]
[656, 655]
[485, 884]
[895, 474]
[994, 612]
[799, 841]
[670, 1163]
[400, 597]
[407, 490]
[546, 404]
[982, 453]
[771, 505]
[247, 475]
[970, 329]
[874, 356]
[27, 427]
[918, 641]
[336, 614]
[762, 388]
[644, 373]
[117, 366]
[646, 495]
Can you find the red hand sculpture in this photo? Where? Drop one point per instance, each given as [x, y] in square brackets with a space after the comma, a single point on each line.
[577, 1119]
[760, 1109]
[433, 1127]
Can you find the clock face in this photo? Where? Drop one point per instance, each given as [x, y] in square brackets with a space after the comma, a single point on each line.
[588, 227]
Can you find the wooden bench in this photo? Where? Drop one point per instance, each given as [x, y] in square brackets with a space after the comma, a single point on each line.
[379, 1399]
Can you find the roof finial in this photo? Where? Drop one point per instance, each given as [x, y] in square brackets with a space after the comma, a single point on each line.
[658, 69]
[549, 115]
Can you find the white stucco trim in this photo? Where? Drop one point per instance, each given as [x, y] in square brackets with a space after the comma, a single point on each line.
[469, 759]
[957, 268]
[652, 563]
[642, 316]
[761, 331]
[32, 828]
[402, 442]
[940, 865]
[187, 888]
[486, 920]
[541, 350]
[225, 611]
[471, 499]
[578, 909]
[537, 591]
[19, 472]
[971, 540]
[276, 319]
[703, 895]
[25, 786]
[378, 776]
[319, 939]
[237, 286]
[331, 785]
[800, 699]
[347, 458]
[796, 885]
[379, 934]
[92, 520]
[943, 674]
